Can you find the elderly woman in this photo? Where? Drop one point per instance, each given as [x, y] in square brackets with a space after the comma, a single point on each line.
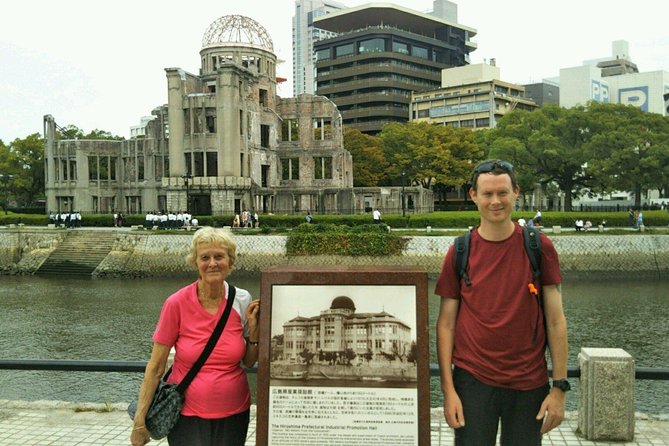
[217, 402]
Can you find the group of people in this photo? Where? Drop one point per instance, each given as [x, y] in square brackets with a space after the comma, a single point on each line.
[579, 225]
[246, 220]
[487, 376]
[67, 219]
[169, 220]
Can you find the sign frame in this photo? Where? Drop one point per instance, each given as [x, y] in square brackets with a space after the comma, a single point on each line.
[284, 285]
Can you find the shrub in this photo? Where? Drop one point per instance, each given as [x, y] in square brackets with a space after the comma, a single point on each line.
[362, 240]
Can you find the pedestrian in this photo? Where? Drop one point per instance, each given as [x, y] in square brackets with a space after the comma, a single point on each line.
[309, 218]
[631, 217]
[217, 401]
[491, 335]
[538, 217]
[376, 216]
[256, 219]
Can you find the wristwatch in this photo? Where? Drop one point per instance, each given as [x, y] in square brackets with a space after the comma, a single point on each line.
[562, 384]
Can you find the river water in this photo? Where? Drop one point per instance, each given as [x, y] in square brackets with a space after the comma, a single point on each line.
[110, 319]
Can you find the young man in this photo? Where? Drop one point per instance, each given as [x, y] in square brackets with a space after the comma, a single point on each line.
[491, 334]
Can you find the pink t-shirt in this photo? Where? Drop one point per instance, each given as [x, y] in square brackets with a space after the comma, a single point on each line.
[499, 332]
[220, 388]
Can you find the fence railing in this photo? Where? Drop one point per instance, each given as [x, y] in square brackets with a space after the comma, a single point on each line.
[69, 365]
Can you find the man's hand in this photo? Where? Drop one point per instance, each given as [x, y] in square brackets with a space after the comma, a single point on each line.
[453, 412]
[552, 410]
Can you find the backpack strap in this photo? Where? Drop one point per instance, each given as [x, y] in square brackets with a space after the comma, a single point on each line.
[462, 257]
[532, 238]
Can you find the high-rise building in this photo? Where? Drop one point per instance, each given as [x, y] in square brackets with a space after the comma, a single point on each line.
[380, 55]
[304, 36]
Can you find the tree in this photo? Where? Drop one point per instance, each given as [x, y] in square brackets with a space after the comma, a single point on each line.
[369, 162]
[24, 163]
[73, 132]
[552, 145]
[631, 151]
[307, 356]
[348, 355]
[427, 154]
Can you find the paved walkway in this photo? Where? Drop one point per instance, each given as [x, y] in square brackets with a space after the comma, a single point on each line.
[53, 423]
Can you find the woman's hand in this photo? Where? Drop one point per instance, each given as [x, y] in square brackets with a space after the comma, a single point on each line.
[139, 436]
[252, 313]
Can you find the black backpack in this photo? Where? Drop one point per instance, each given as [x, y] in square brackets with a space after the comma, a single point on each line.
[532, 248]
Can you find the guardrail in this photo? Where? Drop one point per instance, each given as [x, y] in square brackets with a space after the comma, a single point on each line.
[69, 365]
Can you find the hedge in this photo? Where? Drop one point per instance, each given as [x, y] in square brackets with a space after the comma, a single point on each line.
[447, 220]
[329, 239]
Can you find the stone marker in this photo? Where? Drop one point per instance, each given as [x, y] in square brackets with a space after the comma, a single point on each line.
[606, 394]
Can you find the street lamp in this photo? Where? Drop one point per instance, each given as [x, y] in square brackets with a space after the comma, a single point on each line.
[403, 200]
[187, 176]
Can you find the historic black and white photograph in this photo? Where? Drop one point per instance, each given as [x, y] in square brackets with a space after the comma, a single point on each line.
[334, 335]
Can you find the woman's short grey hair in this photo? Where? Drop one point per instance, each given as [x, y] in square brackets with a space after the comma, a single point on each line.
[212, 236]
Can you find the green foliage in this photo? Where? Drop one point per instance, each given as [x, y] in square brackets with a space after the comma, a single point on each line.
[427, 154]
[369, 163]
[595, 149]
[329, 239]
[22, 171]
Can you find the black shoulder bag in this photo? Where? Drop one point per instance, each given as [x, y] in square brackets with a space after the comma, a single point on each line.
[169, 398]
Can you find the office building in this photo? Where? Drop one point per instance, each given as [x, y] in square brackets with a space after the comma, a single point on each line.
[381, 54]
[471, 96]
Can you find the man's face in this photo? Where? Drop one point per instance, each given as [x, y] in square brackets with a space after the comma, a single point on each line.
[494, 197]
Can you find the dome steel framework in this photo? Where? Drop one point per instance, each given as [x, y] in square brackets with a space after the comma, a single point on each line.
[237, 29]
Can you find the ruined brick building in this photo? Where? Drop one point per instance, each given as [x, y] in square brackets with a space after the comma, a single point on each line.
[224, 142]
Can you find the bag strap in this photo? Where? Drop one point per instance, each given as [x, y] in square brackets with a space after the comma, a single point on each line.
[215, 335]
[533, 249]
[462, 256]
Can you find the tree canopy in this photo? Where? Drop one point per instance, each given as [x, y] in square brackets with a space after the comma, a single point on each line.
[593, 149]
[429, 154]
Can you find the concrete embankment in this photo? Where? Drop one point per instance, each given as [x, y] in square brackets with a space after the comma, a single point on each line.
[148, 254]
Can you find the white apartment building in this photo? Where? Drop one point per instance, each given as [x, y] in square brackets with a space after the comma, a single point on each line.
[615, 80]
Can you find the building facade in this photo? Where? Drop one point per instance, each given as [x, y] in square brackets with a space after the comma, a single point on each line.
[381, 54]
[340, 328]
[471, 96]
[615, 80]
[545, 92]
[223, 143]
[304, 36]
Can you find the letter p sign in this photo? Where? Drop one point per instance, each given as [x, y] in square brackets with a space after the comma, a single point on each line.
[636, 96]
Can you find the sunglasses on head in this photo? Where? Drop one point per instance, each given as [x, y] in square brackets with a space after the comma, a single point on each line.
[490, 166]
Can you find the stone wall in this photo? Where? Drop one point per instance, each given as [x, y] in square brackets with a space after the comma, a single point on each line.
[24, 251]
[138, 254]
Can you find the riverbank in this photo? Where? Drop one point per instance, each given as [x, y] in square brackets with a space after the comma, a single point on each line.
[137, 253]
[58, 423]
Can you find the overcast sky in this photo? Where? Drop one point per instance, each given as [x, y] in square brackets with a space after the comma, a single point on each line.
[100, 64]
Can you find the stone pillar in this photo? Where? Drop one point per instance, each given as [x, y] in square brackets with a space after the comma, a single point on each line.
[606, 394]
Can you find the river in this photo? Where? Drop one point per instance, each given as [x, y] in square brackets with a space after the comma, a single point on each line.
[110, 319]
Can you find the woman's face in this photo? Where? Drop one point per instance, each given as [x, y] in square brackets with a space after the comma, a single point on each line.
[213, 263]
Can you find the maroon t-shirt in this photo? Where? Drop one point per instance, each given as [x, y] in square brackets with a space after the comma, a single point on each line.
[499, 333]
